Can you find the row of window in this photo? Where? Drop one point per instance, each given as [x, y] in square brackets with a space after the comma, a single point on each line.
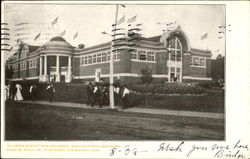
[198, 61]
[143, 55]
[22, 65]
[98, 58]
[32, 64]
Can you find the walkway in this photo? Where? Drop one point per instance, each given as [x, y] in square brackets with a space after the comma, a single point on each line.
[136, 110]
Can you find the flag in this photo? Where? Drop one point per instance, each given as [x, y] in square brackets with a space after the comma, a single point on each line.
[63, 33]
[37, 36]
[75, 36]
[130, 20]
[123, 5]
[216, 51]
[21, 24]
[20, 29]
[204, 36]
[17, 40]
[54, 21]
[121, 20]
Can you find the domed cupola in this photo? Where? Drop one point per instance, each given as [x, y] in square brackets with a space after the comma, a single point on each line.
[57, 45]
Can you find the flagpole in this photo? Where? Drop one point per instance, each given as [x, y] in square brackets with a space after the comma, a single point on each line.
[57, 34]
[111, 78]
[207, 44]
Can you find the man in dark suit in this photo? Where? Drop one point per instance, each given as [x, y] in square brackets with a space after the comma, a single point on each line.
[96, 95]
[51, 91]
[90, 90]
[105, 95]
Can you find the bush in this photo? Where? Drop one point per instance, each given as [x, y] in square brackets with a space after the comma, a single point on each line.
[205, 84]
[170, 88]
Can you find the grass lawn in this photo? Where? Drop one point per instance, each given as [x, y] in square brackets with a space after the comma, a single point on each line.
[212, 101]
[41, 122]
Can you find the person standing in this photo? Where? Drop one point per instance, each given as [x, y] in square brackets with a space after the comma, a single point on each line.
[89, 93]
[12, 91]
[33, 92]
[96, 95]
[125, 97]
[51, 91]
[105, 93]
[7, 91]
[18, 95]
[117, 94]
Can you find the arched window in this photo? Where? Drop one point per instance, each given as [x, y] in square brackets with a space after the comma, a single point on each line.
[175, 49]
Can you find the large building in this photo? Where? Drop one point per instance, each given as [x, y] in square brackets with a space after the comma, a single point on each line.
[169, 57]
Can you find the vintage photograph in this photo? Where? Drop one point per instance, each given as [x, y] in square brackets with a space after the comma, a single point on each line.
[130, 72]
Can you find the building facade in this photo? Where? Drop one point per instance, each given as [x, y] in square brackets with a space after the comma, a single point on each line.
[169, 57]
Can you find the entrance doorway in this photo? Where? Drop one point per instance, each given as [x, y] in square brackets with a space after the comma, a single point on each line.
[98, 75]
[62, 78]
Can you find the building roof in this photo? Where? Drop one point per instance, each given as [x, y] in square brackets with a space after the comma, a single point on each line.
[58, 45]
[153, 38]
[193, 50]
[58, 38]
[33, 48]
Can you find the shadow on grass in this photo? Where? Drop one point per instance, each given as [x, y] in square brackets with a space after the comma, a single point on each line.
[41, 122]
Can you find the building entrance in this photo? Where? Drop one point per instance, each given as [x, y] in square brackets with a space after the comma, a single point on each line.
[174, 62]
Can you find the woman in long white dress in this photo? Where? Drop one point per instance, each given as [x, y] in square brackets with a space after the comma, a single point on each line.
[18, 95]
[7, 91]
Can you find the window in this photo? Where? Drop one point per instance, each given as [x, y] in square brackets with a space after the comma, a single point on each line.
[99, 57]
[116, 55]
[172, 69]
[174, 49]
[178, 69]
[133, 54]
[22, 65]
[109, 56]
[178, 55]
[202, 62]
[89, 59]
[198, 61]
[82, 61]
[142, 55]
[104, 57]
[172, 55]
[32, 63]
[151, 56]
[86, 60]
[94, 58]
[195, 61]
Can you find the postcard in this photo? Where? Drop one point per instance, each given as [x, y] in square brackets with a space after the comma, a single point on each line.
[125, 79]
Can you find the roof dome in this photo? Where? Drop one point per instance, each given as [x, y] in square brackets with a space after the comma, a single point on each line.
[58, 45]
[57, 38]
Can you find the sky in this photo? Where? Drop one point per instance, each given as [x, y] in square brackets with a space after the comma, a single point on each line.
[91, 20]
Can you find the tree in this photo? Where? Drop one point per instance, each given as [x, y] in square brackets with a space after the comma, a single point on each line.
[217, 67]
[8, 73]
[146, 77]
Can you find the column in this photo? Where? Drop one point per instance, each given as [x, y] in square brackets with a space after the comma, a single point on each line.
[40, 71]
[69, 69]
[45, 68]
[57, 69]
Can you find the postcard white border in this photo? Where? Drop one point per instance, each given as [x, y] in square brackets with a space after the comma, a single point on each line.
[237, 92]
